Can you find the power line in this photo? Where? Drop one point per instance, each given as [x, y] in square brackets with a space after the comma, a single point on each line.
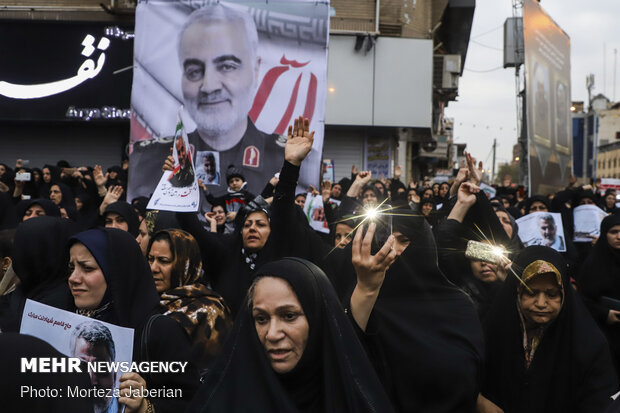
[487, 46]
[487, 32]
[484, 71]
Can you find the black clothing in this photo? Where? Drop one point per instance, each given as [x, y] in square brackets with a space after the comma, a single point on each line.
[40, 260]
[148, 157]
[452, 237]
[68, 199]
[425, 324]
[15, 346]
[7, 212]
[127, 211]
[600, 278]
[50, 208]
[133, 300]
[534, 198]
[571, 368]
[333, 374]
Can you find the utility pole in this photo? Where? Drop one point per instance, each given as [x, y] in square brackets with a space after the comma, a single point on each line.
[615, 61]
[493, 167]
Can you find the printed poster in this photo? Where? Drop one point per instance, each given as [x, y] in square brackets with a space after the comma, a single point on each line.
[242, 71]
[587, 220]
[314, 211]
[178, 189]
[85, 338]
[542, 228]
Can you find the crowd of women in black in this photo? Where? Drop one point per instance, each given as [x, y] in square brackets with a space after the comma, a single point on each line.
[275, 317]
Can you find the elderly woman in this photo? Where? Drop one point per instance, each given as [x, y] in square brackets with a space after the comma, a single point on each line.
[176, 264]
[544, 351]
[292, 350]
[111, 281]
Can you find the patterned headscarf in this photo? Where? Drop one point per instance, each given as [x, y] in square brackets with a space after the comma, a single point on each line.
[200, 311]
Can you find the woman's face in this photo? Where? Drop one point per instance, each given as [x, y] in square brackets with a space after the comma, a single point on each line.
[36, 176]
[255, 232]
[613, 237]
[428, 193]
[538, 206]
[484, 271]
[220, 215]
[161, 262]
[78, 204]
[47, 175]
[143, 237]
[610, 200]
[543, 303]
[341, 237]
[86, 281]
[369, 198]
[280, 322]
[35, 210]
[56, 194]
[435, 189]
[116, 220]
[505, 221]
[2, 170]
[443, 190]
[427, 208]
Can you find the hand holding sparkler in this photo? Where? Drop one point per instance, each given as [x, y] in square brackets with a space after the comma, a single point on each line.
[370, 270]
[299, 142]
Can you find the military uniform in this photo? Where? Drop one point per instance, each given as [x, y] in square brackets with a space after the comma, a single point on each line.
[259, 155]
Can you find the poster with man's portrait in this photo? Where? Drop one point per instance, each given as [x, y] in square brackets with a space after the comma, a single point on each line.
[242, 71]
[208, 167]
[315, 212]
[178, 189]
[85, 338]
[542, 228]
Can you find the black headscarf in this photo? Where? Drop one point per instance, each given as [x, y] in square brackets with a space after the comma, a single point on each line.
[125, 210]
[425, 324]
[68, 200]
[50, 208]
[534, 198]
[130, 289]
[333, 375]
[571, 369]
[40, 260]
[7, 212]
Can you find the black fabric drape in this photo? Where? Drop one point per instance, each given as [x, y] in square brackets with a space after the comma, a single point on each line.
[571, 370]
[14, 347]
[40, 259]
[333, 375]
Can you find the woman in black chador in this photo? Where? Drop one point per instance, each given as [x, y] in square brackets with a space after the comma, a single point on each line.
[544, 351]
[292, 349]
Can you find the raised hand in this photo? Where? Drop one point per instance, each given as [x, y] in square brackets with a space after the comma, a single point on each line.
[371, 269]
[326, 191]
[98, 176]
[398, 172]
[467, 193]
[475, 174]
[299, 142]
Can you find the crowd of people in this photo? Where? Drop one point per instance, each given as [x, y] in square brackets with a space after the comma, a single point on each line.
[392, 310]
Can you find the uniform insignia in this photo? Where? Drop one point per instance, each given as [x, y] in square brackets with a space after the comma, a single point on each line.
[281, 140]
[251, 157]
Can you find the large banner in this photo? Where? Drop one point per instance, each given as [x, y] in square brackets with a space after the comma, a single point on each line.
[242, 71]
[547, 83]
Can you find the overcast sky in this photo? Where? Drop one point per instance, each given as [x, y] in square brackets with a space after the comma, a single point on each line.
[486, 107]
